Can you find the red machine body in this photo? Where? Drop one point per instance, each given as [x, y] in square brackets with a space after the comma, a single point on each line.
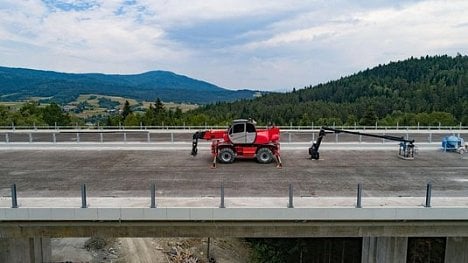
[242, 140]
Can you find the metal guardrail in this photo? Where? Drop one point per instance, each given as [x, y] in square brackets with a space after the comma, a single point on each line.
[222, 204]
[205, 127]
[149, 136]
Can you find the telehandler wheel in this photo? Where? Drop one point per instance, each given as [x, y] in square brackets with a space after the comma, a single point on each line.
[226, 155]
[264, 155]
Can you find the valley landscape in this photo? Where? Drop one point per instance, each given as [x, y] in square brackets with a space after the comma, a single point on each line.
[233, 131]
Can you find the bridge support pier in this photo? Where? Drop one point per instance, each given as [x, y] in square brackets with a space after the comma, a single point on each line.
[384, 249]
[28, 250]
[456, 249]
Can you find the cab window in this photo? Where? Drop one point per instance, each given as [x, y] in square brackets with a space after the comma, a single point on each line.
[238, 128]
[250, 127]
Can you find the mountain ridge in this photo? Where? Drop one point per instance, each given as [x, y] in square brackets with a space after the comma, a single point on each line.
[23, 83]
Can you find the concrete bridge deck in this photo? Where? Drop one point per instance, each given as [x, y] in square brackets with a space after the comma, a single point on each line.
[48, 179]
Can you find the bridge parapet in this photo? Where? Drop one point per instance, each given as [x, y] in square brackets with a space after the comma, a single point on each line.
[237, 209]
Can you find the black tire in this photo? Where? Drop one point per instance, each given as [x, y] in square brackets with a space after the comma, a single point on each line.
[264, 155]
[226, 155]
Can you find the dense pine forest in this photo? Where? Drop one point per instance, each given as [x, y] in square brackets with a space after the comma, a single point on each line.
[424, 91]
[427, 90]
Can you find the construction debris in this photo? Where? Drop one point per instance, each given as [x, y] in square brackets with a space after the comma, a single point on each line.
[181, 255]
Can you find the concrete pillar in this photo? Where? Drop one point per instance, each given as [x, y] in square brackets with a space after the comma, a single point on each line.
[384, 249]
[456, 250]
[27, 250]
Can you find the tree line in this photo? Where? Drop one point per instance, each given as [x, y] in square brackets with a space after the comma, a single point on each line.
[32, 113]
[424, 91]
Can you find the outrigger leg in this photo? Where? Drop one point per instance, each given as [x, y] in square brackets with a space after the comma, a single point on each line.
[279, 164]
[213, 166]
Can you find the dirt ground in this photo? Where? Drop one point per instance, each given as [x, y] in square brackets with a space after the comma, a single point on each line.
[151, 250]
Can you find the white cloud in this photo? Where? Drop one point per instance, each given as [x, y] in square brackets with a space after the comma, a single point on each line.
[250, 44]
[173, 13]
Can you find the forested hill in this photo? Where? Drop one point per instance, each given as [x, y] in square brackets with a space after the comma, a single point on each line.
[427, 90]
[23, 84]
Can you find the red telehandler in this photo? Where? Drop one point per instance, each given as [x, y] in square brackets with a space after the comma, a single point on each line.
[241, 140]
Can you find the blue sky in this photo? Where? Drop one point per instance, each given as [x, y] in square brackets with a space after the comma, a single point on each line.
[236, 44]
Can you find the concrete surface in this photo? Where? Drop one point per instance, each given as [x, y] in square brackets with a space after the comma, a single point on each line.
[25, 250]
[222, 229]
[118, 178]
[235, 202]
[456, 250]
[384, 249]
[129, 173]
[232, 214]
[203, 146]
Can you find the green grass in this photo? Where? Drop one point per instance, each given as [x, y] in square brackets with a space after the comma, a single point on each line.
[94, 102]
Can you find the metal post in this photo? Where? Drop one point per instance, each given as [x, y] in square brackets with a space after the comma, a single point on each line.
[14, 200]
[172, 137]
[7, 138]
[148, 137]
[55, 125]
[30, 138]
[360, 138]
[208, 249]
[428, 195]
[125, 137]
[153, 196]
[101, 137]
[54, 137]
[359, 196]
[289, 136]
[141, 125]
[430, 137]
[13, 126]
[459, 130]
[222, 196]
[291, 195]
[77, 137]
[336, 137]
[83, 196]
[34, 125]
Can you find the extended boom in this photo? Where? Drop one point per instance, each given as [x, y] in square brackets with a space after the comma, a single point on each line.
[406, 146]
